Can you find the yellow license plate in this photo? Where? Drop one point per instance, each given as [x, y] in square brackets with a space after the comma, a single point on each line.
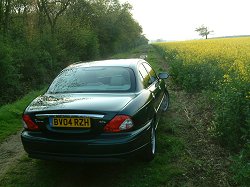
[71, 122]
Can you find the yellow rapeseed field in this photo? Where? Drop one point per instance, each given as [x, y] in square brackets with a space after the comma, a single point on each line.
[231, 54]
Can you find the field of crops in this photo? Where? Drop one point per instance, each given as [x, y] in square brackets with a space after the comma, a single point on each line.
[212, 60]
[219, 68]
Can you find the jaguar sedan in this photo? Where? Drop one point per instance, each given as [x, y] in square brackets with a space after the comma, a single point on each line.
[98, 110]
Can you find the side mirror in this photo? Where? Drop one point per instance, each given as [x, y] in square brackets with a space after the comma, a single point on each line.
[163, 75]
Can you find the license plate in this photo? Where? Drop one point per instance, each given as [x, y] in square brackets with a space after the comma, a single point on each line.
[71, 122]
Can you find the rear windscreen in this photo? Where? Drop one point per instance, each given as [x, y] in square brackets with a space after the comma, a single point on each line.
[93, 79]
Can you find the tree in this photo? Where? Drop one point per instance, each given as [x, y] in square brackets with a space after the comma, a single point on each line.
[203, 31]
[53, 9]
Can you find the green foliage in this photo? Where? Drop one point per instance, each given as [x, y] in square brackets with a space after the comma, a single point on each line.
[80, 45]
[9, 73]
[196, 77]
[241, 167]
[39, 38]
[232, 113]
[28, 57]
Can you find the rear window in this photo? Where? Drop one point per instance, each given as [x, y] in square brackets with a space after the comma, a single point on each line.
[94, 79]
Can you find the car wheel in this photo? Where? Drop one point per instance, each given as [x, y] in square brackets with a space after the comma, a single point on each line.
[165, 102]
[150, 150]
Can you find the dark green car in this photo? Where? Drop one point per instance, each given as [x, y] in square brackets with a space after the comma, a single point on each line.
[99, 110]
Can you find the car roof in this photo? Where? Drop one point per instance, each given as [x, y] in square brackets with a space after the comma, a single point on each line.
[132, 63]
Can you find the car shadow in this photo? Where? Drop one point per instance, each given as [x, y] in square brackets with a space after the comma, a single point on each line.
[87, 173]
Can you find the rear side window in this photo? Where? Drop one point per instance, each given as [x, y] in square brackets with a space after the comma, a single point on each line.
[144, 76]
[151, 72]
[94, 79]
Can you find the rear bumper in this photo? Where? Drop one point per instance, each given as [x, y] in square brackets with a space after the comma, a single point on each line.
[105, 146]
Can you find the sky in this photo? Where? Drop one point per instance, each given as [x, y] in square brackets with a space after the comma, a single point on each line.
[177, 19]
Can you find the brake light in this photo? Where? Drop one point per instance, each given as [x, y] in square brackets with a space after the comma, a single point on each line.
[28, 123]
[119, 123]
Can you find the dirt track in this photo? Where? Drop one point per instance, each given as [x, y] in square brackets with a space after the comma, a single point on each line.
[10, 152]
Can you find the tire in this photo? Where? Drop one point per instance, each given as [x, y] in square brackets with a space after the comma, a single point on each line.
[165, 102]
[150, 150]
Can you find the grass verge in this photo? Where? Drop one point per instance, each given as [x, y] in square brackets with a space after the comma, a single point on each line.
[11, 115]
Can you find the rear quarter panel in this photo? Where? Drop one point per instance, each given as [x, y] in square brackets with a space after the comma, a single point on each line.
[140, 108]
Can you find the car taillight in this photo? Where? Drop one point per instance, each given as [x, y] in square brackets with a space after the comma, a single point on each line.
[119, 123]
[28, 123]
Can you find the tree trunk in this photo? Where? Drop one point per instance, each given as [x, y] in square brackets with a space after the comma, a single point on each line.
[41, 17]
[1, 14]
[6, 16]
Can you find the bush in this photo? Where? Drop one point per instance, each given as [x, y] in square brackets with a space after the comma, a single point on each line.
[9, 72]
[35, 65]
